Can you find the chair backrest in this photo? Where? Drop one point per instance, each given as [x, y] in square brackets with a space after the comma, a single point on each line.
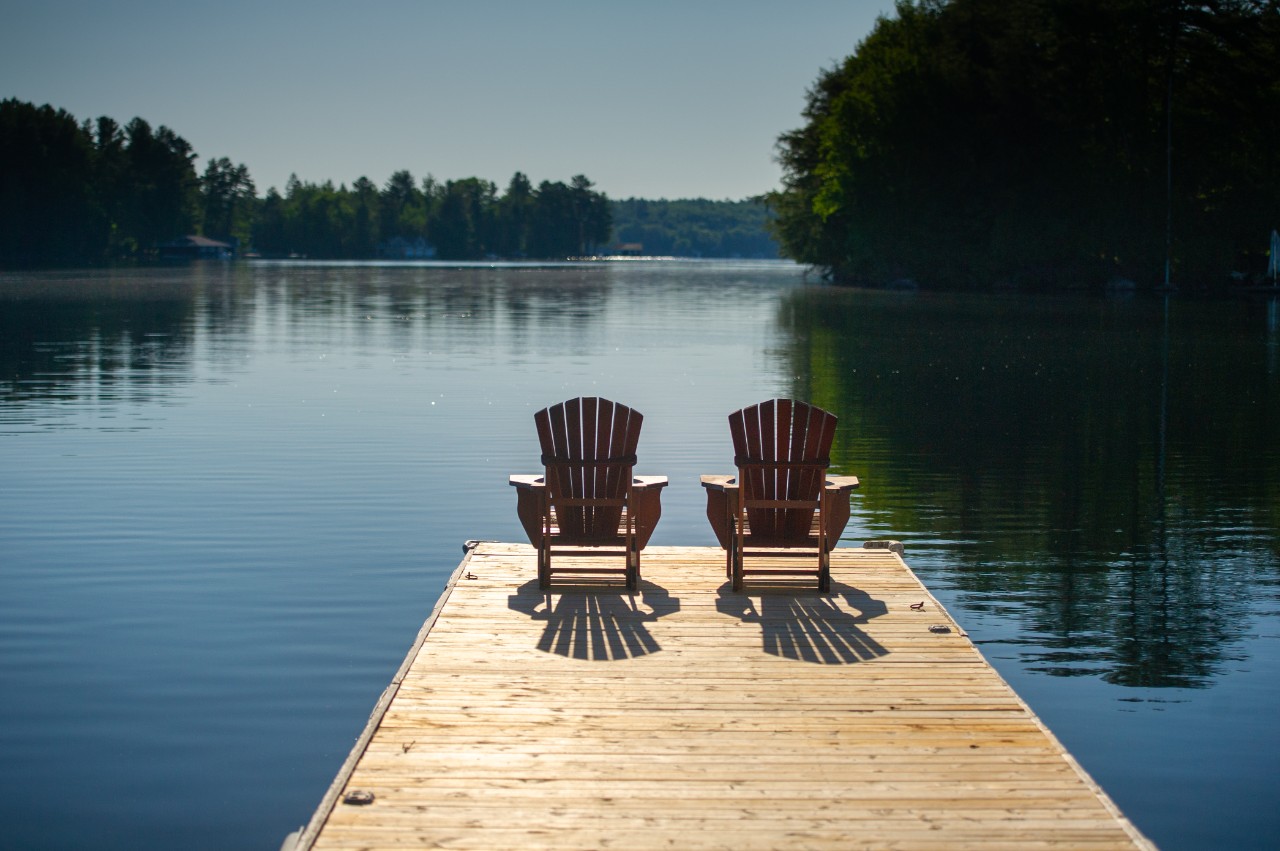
[783, 449]
[589, 451]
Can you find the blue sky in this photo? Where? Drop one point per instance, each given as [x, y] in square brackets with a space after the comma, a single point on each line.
[656, 100]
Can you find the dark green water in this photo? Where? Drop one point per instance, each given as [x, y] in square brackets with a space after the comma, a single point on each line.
[229, 495]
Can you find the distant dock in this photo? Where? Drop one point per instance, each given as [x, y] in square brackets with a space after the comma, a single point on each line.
[687, 716]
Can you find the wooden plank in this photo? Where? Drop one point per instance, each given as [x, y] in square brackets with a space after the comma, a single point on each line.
[684, 715]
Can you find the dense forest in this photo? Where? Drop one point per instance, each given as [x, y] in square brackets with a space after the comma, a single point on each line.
[1042, 144]
[94, 192]
[695, 227]
[455, 220]
[83, 193]
[98, 192]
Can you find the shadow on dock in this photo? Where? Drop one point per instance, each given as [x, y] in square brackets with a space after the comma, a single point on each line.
[808, 627]
[595, 623]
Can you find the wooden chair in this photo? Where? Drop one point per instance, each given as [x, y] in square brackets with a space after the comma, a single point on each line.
[588, 502]
[782, 503]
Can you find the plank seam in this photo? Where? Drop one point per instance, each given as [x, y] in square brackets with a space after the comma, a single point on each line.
[1109, 805]
[306, 840]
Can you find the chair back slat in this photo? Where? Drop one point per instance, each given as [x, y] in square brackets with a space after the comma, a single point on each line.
[588, 447]
[597, 428]
[783, 450]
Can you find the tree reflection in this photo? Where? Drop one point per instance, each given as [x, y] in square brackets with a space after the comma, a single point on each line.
[109, 336]
[98, 338]
[1114, 472]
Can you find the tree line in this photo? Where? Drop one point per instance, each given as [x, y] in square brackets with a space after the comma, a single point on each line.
[695, 227]
[92, 192]
[82, 193]
[459, 219]
[1045, 143]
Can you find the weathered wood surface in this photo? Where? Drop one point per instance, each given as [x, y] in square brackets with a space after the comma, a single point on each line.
[687, 716]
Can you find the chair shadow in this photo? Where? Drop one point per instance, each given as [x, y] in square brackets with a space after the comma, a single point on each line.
[802, 625]
[595, 623]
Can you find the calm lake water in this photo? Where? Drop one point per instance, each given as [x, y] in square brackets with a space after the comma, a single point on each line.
[230, 494]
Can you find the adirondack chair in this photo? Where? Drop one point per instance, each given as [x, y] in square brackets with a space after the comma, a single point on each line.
[588, 502]
[782, 503]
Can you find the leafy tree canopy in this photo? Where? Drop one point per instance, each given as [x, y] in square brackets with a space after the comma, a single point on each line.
[72, 193]
[1045, 143]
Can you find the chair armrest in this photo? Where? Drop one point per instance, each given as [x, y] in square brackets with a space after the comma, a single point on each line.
[648, 482]
[531, 503]
[722, 506]
[719, 483]
[532, 480]
[836, 508]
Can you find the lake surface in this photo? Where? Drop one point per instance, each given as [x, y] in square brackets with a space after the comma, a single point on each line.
[230, 495]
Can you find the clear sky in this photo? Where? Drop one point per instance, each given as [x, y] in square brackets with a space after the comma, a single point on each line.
[662, 99]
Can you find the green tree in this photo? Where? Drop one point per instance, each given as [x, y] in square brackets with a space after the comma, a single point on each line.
[162, 197]
[112, 186]
[972, 143]
[554, 232]
[228, 199]
[48, 209]
[269, 225]
[364, 239]
[592, 213]
[464, 225]
[403, 210]
[569, 220]
[514, 217]
[314, 224]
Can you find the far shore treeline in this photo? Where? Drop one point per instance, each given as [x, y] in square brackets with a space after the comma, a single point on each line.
[1047, 144]
[98, 192]
[965, 144]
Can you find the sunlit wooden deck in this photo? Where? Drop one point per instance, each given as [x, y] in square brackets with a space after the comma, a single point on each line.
[687, 716]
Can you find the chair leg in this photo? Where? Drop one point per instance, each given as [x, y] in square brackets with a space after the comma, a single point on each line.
[731, 523]
[824, 573]
[633, 570]
[737, 566]
[544, 568]
[733, 556]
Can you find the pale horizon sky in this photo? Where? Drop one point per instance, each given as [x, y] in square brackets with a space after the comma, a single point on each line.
[662, 100]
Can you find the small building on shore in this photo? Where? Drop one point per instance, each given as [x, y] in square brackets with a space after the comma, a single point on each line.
[195, 247]
[399, 248]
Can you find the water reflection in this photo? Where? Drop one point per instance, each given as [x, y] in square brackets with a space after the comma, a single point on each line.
[128, 336]
[1273, 336]
[1078, 456]
[56, 345]
[307, 445]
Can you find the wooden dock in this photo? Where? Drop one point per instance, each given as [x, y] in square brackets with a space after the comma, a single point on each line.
[686, 716]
